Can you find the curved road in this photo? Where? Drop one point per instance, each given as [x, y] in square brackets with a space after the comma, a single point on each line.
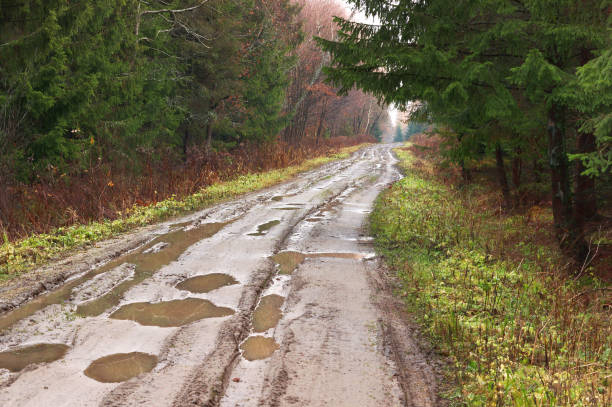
[275, 299]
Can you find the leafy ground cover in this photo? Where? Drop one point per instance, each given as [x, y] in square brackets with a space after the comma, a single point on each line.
[495, 294]
[19, 256]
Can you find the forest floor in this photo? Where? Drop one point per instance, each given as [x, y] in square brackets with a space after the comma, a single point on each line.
[273, 299]
[520, 324]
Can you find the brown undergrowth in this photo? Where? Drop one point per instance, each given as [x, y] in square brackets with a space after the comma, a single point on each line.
[106, 190]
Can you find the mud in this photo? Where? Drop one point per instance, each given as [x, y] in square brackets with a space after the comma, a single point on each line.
[264, 228]
[288, 208]
[317, 336]
[206, 283]
[258, 347]
[149, 261]
[288, 261]
[268, 313]
[17, 359]
[120, 367]
[171, 313]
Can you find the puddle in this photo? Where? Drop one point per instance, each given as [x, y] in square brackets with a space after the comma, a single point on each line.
[206, 283]
[264, 228]
[277, 198]
[147, 262]
[258, 347]
[180, 224]
[120, 367]
[268, 313]
[314, 219]
[288, 261]
[288, 208]
[17, 359]
[179, 241]
[170, 313]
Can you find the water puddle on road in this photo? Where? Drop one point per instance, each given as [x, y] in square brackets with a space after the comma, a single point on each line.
[170, 313]
[147, 262]
[120, 367]
[258, 347]
[268, 313]
[288, 208]
[179, 239]
[264, 228]
[277, 198]
[288, 261]
[17, 359]
[206, 283]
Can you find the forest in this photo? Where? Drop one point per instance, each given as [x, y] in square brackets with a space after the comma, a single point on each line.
[109, 104]
[524, 84]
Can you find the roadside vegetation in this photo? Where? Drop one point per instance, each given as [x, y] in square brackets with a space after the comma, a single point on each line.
[120, 103]
[493, 289]
[20, 256]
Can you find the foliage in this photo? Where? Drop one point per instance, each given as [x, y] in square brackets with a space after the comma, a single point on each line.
[516, 333]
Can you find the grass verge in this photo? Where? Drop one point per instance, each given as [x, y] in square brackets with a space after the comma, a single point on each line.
[17, 257]
[518, 330]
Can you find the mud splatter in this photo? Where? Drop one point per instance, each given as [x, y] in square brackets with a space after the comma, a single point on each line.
[120, 367]
[258, 347]
[264, 228]
[17, 359]
[170, 313]
[268, 313]
[206, 283]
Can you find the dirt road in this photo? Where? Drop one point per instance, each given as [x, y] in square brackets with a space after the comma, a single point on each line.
[275, 299]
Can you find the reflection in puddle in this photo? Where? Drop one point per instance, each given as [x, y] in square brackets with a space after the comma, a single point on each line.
[170, 313]
[264, 228]
[147, 262]
[120, 367]
[179, 240]
[288, 261]
[15, 360]
[206, 283]
[288, 208]
[277, 198]
[268, 313]
[258, 347]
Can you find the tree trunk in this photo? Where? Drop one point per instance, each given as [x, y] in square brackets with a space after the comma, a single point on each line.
[568, 235]
[501, 176]
[517, 172]
[585, 199]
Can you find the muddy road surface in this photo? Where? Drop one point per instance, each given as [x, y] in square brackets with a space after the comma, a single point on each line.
[274, 299]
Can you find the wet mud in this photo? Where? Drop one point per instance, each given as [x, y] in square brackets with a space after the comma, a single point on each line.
[120, 367]
[258, 347]
[170, 313]
[264, 228]
[268, 313]
[289, 261]
[206, 283]
[17, 359]
[146, 265]
[147, 262]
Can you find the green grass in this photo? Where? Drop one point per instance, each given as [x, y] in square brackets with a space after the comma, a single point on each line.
[20, 256]
[516, 330]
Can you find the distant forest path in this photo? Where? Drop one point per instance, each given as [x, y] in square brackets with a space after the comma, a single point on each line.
[274, 299]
